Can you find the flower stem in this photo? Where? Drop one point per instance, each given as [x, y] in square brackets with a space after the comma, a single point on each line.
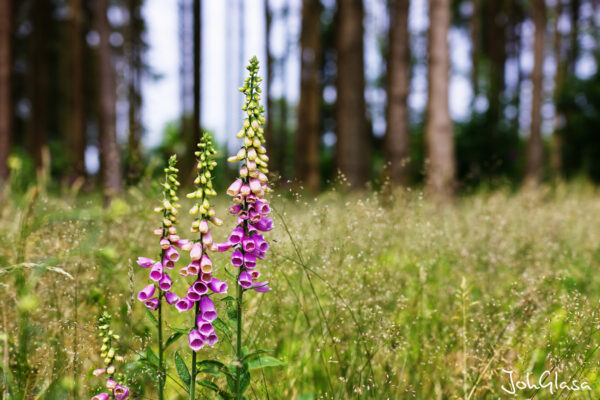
[193, 380]
[238, 351]
[161, 368]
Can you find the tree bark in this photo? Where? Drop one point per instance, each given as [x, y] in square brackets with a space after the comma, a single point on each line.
[77, 134]
[559, 78]
[309, 106]
[110, 158]
[268, 83]
[37, 134]
[398, 86]
[535, 155]
[197, 67]
[475, 45]
[441, 164]
[6, 104]
[352, 151]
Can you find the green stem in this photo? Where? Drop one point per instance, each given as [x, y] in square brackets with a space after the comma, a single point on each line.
[161, 368]
[238, 351]
[193, 380]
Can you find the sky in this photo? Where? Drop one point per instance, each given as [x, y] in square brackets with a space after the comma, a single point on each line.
[221, 101]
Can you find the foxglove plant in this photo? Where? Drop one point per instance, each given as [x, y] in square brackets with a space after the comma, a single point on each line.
[108, 352]
[152, 295]
[251, 208]
[200, 268]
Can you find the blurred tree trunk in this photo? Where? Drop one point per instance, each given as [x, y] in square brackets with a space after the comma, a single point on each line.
[77, 129]
[496, 39]
[573, 53]
[475, 45]
[398, 87]
[534, 170]
[559, 78]
[38, 70]
[269, 80]
[197, 68]
[309, 107]
[110, 159]
[6, 104]
[136, 27]
[441, 163]
[352, 151]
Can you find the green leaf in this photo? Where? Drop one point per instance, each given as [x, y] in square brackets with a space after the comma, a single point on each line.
[172, 339]
[228, 298]
[222, 327]
[263, 362]
[210, 385]
[254, 354]
[183, 331]
[244, 378]
[182, 370]
[151, 357]
[211, 366]
[152, 317]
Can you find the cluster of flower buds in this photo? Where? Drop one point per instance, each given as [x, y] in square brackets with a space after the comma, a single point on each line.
[168, 242]
[248, 190]
[109, 353]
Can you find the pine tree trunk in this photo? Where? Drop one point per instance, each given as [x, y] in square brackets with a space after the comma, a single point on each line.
[309, 107]
[133, 164]
[534, 151]
[268, 83]
[37, 134]
[77, 134]
[197, 67]
[441, 164]
[475, 45]
[556, 149]
[6, 106]
[352, 152]
[398, 86]
[110, 158]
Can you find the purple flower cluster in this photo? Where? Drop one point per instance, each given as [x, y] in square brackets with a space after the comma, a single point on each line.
[251, 208]
[108, 352]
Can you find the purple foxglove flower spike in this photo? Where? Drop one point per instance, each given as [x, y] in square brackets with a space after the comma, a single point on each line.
[204, 327]
[245, 280]
[156, 272]
[207, 309]
[237, 259]
[236, 235]
[184, 304]
[261, 243]
[171, 298]
[165, 282]
[121, 392]
[217, 286]
[195, 340]
[146, 293]
[101, 396]
[145, 262]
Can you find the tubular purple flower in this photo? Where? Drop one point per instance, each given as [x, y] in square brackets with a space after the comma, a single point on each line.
[245, 280]
[235, 187]
[199, 287]
[261, 286]
[249, 260]
[145, 262]
[205, 264]
[217, 286]
[172, 254]
[171, 298]
[165, 282]
[259, 254]
[184, 304]
[255, 275]
[262, 208]
[207, 239]
[223, 246]
[237, 258]
[99, 372]
[245, 190]
[261, 243]
[121, 392]
[211, 340]
[146, 293]
[111, 383]
[101, 396]
[164, 243]
[248, 244]
[196, 251]
[156, 272]
[207, 309]
[192, 295]
[204, 327]
[265, 224]
[235, 209]
[195, 340]
[206, 277]
[168, 264]
[255, 186]
[151, 304]
[193, 268]
[236, 235]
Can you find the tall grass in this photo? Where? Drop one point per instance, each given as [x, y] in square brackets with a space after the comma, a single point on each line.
[368, 296]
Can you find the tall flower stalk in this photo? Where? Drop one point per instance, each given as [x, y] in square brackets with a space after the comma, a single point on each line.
[251, 208]
[168, 256]
[109, 352]
[202, 332]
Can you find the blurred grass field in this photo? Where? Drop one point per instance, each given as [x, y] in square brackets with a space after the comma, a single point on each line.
[381, 295]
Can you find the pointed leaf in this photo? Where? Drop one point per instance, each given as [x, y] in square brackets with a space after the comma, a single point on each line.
[173, 338]
[182, 370]
[263, 362]
[152, 317]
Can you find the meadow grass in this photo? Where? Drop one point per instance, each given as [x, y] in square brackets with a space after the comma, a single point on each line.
[379, 295]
